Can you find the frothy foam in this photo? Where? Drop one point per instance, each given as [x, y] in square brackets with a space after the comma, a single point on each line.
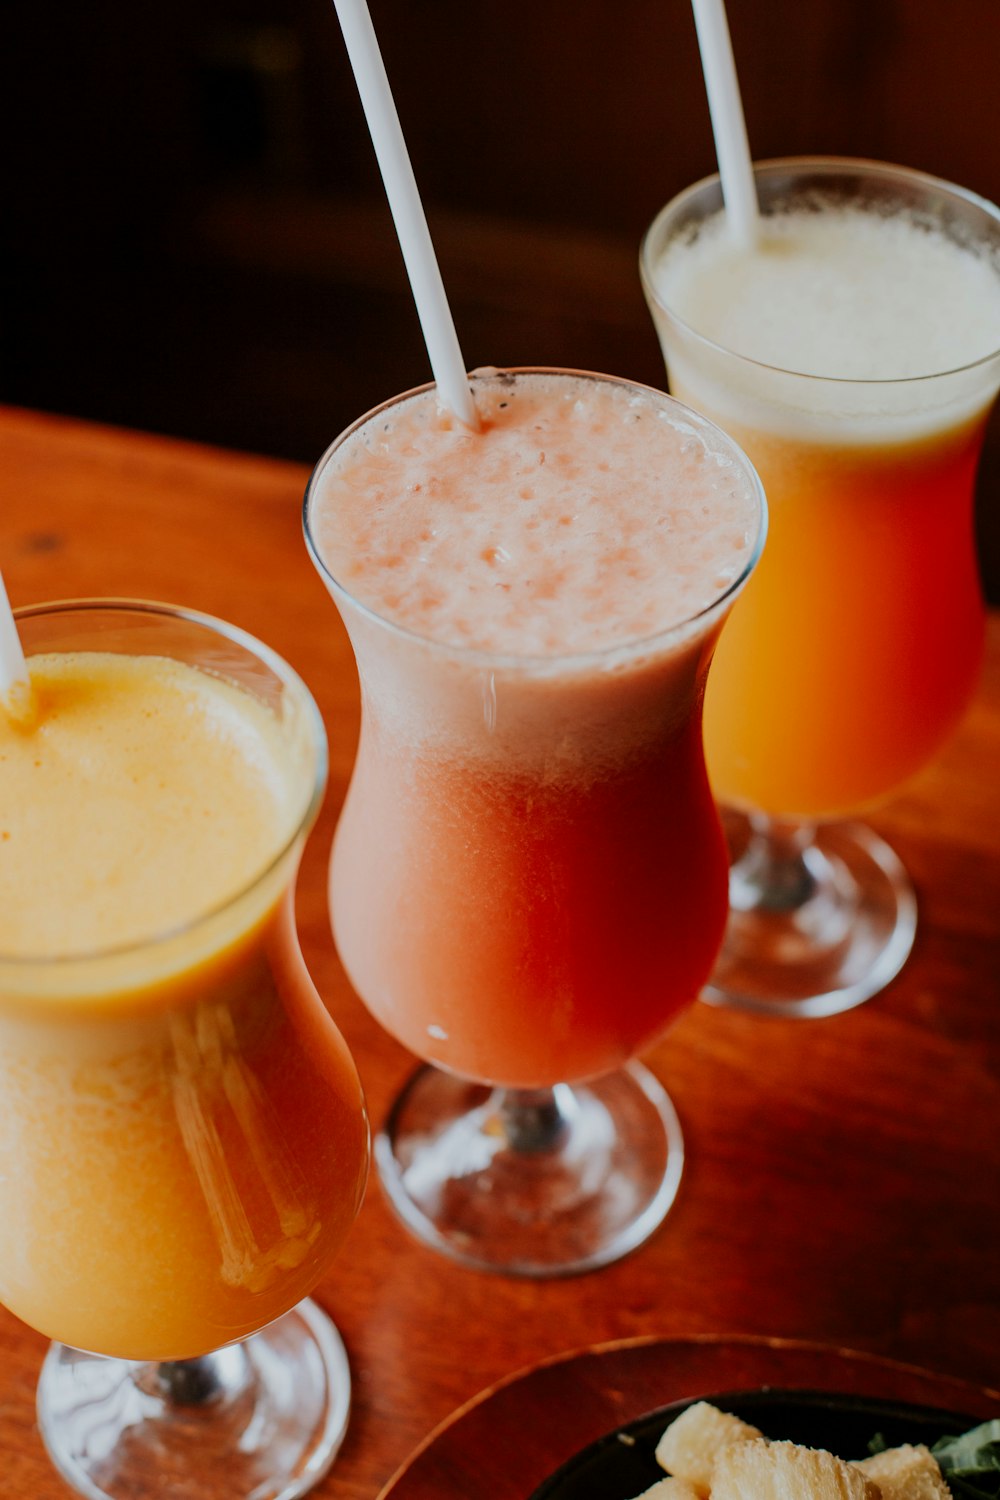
[583, 515]
[844, 292]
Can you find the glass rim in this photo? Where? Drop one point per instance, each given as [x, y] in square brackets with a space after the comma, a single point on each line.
[843, 166]
[542, 661]
[286, 674]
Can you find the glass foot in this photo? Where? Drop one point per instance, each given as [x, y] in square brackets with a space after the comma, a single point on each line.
[539, 1182]
[820, 919]
[260, 1420]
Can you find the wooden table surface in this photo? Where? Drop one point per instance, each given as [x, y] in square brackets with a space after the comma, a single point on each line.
[842, 1184]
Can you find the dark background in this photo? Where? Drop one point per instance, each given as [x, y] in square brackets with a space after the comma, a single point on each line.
[194, 233]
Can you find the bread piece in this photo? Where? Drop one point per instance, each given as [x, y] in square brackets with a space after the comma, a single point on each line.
[758, 1470]
[689, 1445]
[909, 1472]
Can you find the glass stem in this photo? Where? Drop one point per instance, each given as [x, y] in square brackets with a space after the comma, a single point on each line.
[196, 1382]
[774, 873]
[535, 1119]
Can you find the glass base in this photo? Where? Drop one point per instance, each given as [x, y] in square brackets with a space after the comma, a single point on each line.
[820, 919]
[540, 1182]
[260, 1420]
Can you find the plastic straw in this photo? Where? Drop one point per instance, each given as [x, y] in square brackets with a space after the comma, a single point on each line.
[15, 684]
[728, 124]
[407, 211]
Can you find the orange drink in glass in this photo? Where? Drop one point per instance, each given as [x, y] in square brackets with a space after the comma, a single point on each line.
[184, 1132]
[855, 355]
[533, 609]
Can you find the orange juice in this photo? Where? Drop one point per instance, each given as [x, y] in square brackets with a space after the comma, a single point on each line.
[853, 354]
[857, 649]
[529, 876]
[183, 1132]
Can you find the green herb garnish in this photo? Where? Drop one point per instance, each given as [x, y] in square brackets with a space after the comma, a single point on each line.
[970, 1462]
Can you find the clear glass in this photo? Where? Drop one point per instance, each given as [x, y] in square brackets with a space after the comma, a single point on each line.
[186, 1146]
[854, 651]
[502, 903]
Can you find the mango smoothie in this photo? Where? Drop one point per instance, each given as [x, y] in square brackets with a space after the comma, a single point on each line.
[182, 1128]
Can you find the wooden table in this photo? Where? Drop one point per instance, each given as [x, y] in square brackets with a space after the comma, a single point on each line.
[843, 1176]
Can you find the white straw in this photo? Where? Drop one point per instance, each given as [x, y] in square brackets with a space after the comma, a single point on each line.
[15, 684]
[407, 211]
[728, 124]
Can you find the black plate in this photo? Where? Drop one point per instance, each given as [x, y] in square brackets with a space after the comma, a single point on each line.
[621, 1464]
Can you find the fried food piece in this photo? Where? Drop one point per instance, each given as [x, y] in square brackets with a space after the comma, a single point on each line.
[909, 1472]
[689, 1446]
[759, 1470]
[670, 1489]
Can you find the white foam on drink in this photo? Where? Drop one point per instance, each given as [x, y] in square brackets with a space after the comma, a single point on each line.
[844, 292]
[584, 515]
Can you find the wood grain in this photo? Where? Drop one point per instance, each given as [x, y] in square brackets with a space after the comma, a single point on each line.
[843, 1176]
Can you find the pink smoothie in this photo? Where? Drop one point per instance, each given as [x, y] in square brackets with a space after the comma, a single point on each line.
[529, 878]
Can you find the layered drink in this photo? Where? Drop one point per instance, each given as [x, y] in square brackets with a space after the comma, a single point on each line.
[853, 352]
